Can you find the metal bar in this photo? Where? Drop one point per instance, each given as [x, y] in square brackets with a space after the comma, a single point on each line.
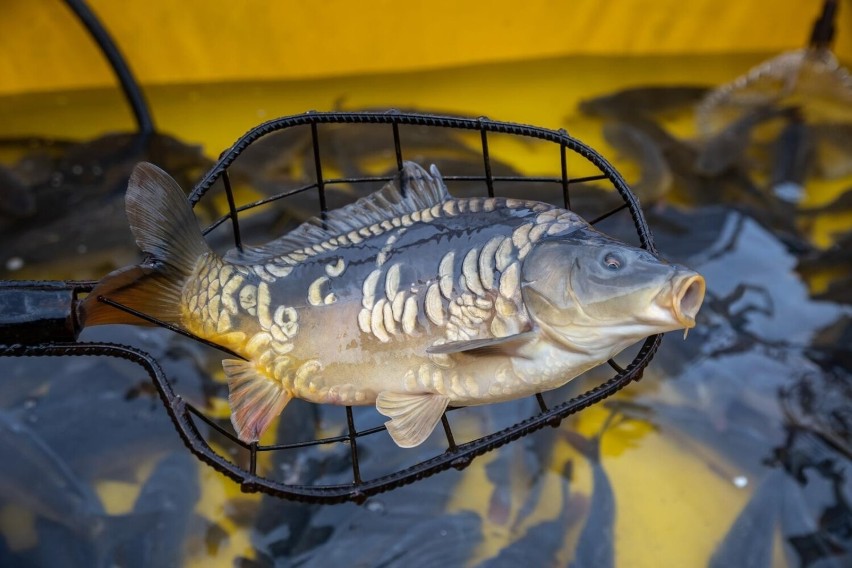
[232, 208]
[451, 442]
[213, 425]
[566, 196]
[489, 179]
[253, 458]
[353, 446]
[169, 326]
[33, 312]
[616, 366]
[541, 404]
[321, 441]
[607, 214]
[132, 91]
[318, 165]
[397, 146]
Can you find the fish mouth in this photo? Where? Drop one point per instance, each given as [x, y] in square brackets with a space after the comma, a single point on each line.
[688, 296]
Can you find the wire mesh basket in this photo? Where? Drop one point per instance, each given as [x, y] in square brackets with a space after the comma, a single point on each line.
[38, 317]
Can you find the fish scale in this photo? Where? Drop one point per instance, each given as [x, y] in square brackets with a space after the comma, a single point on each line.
[408, 299]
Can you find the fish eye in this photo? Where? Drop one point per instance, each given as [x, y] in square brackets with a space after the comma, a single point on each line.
[612, 261]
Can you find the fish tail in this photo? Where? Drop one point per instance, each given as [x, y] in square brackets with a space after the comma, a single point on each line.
[165, 229]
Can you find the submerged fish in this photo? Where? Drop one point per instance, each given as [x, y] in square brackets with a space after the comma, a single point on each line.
[727, 148]
[642, 101]
[408, 298]
[632, 143]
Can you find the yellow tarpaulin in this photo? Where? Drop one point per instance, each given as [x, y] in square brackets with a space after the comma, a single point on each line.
[197, 41]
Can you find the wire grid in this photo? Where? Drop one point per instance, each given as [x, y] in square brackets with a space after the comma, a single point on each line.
[187, 418]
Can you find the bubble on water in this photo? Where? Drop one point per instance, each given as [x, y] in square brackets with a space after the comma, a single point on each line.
[82, 249]
[14, 263]
[375, 506]
[740, 481]
[77, 169]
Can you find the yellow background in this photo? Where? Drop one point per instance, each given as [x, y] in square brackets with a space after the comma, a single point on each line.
[196, 41]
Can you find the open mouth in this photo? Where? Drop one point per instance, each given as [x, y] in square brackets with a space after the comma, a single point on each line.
[688, 296]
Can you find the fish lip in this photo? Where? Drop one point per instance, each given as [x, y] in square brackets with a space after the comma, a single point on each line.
[688, 296]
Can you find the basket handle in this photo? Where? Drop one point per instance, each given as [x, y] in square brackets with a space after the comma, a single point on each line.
[38, 311]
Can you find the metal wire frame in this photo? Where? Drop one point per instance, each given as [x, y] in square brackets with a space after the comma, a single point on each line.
[126, 80]
[190, 420]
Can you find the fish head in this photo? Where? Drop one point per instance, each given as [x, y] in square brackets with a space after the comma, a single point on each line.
[586, 289]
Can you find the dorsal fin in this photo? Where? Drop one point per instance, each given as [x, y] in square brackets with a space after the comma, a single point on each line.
[413, 189]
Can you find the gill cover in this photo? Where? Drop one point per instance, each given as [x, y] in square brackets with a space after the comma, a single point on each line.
[590, 279]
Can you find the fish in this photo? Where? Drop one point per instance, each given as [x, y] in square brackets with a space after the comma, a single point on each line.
[72, 225]
[408, 299]
[172, 490]
[541, 544]
[633, 144]
[36, 478]
[727, 148]
[70, 518]
[749, 541]
[813, 77]
[647, 100]
[792, 157]
[595, 546]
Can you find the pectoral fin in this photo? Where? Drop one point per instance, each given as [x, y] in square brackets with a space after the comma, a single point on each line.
[503, 346]
[255, 399]
[412, 416]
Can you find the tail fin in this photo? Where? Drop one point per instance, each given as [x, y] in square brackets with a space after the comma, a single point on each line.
[166, 228]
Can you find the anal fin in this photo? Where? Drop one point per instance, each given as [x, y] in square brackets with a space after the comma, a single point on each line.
[254, 398]
[412, 416]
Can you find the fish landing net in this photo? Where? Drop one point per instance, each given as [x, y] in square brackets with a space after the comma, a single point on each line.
[37, 318]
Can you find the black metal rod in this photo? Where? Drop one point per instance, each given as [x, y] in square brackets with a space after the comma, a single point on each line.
[566, 196]
[541, 404]
[353, 446]
[451, 441]
[132, 92]
[318, 165]
[610, 213]
[489, 179]
[232, 208]
[204, 418]
[614, 365]
[253, 458]
[170, 327]
[822, 33]
[397, 146]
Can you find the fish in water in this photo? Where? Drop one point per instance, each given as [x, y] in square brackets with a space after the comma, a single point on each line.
[727, 148]
[633, 144]
[408, 299]
[644, 101]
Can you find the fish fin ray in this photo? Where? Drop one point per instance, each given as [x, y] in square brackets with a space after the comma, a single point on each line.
[165, 227]
[503, 346]
[413, 189]
[254, 398]
[412, 416]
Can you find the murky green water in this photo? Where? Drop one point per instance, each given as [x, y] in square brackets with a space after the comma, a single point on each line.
[734, 450]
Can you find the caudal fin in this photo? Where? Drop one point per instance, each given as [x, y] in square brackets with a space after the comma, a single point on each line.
[164, 227]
